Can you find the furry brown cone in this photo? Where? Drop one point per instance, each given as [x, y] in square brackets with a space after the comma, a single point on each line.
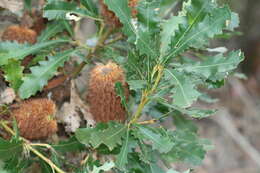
[110, 18]
[35, 118]
[104, 103]
[19, 34]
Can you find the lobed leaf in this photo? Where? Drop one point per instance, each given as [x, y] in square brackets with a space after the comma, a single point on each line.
[109, 134]
[187, 147]
[184, 91]
[215, 67]
[41, 74]
[202, 26]
[169, 27]
[19, 51]
[13, 73]
[160, 140]
[51, 30]
[122, 11]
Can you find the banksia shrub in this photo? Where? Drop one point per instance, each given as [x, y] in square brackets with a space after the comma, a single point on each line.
[110, 17]
[19, 34]
[104, 103]
[35, 118]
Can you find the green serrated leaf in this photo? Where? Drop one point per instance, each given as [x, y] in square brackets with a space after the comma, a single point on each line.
[192, 112]
[51, 30]
[41, 74]
[184, 92]
[10, 149]
[105, 167]
[216, 67]
[13, 73]
[69, 145]
[59, 10]
[123, 12]
[121, 159]
[109, 134]
[199, 30]
[90, 5]
[169, 28]
[160, 140]
[187, 148]
[136, 84]
[146, 43]
[19, 51]
[121, 93]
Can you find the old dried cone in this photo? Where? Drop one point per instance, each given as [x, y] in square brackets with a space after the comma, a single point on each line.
[105, 104]
[19, 34]
[35, 118]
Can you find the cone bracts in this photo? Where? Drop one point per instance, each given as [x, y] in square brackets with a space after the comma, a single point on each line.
[35, 118]
[19, 34]
[104, 103]
[110, 18]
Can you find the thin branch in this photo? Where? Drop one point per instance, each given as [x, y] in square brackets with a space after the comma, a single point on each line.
[29, 146]
[100, 43]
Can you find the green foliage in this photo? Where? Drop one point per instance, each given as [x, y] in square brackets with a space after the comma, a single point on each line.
[10, 149]
[109, 134]
[59, 10]
[17, 51]
[14, 73]
[159, 138]
[42, 73]
[167, 64]
[214, 67]
[70, 145]
[51, 30]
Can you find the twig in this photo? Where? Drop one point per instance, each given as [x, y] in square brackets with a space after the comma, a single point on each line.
[29, 146]
[225, 121]
[152, 121]
[158, 69]
[120, 37]
[100, 43]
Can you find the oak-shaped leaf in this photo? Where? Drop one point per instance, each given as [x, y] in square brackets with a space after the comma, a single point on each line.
[157, 136]
[40, 74]
[109, 134]
[14, 50]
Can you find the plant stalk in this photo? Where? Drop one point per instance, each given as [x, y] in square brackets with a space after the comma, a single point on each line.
[29, 146]
[100, 43]
[158, 69]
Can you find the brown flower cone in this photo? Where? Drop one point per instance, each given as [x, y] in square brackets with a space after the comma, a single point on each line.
[110, 18]
[19, 34]
[104, 103]
[35, 118]
[132, 4]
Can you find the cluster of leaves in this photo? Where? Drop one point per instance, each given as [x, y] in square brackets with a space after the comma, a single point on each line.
[167, 66]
